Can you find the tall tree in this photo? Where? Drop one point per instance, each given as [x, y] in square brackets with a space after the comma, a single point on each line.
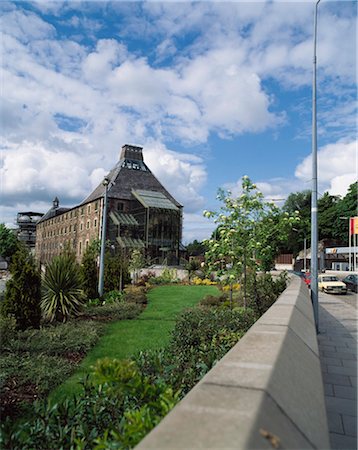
[8, 242]
[196, 248]
[347, 207]
[298, 201]
[327, 215]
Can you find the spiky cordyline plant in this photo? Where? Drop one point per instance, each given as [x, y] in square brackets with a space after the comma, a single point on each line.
[62, 294]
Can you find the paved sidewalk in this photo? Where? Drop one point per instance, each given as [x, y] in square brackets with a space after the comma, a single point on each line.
[338, 354]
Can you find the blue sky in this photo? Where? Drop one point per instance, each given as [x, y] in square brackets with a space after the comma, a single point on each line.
[211, 90]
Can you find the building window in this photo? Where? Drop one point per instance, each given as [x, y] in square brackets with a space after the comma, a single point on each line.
[89, 209]
[86, 245]
[95, 223]
[88, 224]
[80, 248]
[70, 228]
[96, 206]
[82, 211]
[81, 226]
[120, 206]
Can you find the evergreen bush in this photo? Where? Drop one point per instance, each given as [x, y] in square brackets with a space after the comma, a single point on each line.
[89, 271]
[23, 291]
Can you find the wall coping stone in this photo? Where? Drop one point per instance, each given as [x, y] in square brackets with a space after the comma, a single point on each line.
[266, 392]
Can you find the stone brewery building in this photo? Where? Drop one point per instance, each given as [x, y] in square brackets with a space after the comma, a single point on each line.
[141, 214]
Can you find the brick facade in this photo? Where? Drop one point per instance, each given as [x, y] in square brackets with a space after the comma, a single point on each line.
[74, 228]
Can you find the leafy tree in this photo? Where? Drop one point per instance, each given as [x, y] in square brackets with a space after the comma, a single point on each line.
[89, 270]
[8, 242]
[250, 231]
[136, 262]
[298, 201]
[23, 291]
[327, 215]
[347, 207]
[62, 295]
[196, 248]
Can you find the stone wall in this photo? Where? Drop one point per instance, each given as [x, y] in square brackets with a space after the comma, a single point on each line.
[267, 391]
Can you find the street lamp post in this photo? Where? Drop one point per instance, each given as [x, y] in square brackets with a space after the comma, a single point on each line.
[103, 238]
[314, 228]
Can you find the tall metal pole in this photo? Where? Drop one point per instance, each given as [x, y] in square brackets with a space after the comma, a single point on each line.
[314, 228]
[103, 239]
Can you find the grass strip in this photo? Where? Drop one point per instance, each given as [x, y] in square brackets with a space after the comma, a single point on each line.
[151, 330]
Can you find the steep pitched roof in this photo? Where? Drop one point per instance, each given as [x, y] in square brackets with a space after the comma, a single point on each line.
[130, 173]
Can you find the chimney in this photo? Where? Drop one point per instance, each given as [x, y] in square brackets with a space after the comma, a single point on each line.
[131, 152]
[55, 203]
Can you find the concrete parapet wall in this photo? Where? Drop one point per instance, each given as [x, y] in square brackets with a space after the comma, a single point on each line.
[267, 391]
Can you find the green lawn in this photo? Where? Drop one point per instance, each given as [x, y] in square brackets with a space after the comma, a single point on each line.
[150, 330]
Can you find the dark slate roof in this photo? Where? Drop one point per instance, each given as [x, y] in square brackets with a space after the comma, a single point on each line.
[53, 212]
[127, 175]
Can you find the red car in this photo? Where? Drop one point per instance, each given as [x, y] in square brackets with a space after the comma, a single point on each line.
[307, 279]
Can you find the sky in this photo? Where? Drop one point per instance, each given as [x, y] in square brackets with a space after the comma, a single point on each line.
[212, 91]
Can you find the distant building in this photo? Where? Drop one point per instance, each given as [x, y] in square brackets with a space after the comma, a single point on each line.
[27, 221]
[142, 214]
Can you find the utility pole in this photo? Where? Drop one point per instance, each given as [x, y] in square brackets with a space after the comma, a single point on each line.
[314, 222]
[103, 238]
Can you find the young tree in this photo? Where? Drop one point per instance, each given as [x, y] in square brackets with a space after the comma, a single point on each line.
[136, 262]
[116, 273]
[8, 242]
[249, 233]
[89, 270]
[23, 291]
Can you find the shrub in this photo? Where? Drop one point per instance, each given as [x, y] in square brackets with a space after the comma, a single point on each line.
[118, 408]
[201, 337]
[55, 340]
[167, 276]
[263, 291]
[212, 300]
[144, 278]
[136, 294]
[113, 311]
[62, 296]
[203, 281]
[23, 291]
[7, 330]
[113, 296]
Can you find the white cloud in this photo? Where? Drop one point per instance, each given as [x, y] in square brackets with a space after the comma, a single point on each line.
[183, 175]
[30, 171]
[67, 107]
[337, 167]
[196, 227]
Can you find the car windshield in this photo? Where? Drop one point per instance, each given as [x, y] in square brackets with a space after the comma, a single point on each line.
[330, 279]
